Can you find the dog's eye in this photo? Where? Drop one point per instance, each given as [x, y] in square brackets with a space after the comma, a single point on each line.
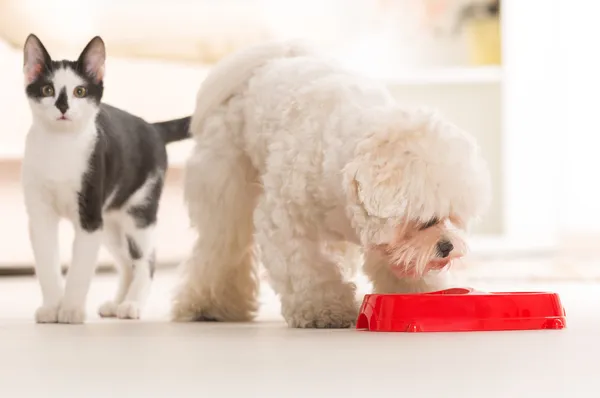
[430, 223]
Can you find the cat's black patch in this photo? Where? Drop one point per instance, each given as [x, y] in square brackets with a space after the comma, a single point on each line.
[128, 152]
[34, 90]
[62, 102]
[91, 197]
[95, 90]
[145, 215]
[134, 250]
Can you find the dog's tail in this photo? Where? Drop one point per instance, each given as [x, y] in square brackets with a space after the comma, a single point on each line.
[174, 130]
[233, 71]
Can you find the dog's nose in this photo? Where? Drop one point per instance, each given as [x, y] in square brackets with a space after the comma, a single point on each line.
[444, 248]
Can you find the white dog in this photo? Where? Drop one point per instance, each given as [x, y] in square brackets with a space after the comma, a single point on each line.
[293, 154]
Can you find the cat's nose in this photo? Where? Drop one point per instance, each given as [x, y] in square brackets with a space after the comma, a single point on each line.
[63, 108]
[62, 103]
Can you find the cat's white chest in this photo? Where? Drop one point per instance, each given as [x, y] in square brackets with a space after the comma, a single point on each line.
[59, 157]
[54, 166]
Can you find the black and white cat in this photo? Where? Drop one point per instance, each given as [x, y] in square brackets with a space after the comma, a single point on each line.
[100, 168]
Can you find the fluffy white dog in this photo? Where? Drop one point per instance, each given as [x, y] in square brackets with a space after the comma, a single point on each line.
[293, 155]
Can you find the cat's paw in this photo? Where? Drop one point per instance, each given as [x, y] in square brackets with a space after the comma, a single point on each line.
[128, 310]
[71, 314]
[47, 314]
[108, 309]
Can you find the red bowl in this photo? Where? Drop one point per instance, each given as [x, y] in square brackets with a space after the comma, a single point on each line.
[461, 310]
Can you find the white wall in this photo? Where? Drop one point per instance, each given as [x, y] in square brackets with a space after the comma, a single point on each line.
[579, 31]
[161, 90]
[477, 108]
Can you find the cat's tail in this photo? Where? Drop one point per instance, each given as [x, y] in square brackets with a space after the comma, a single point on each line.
[236, 69]
[174, 130]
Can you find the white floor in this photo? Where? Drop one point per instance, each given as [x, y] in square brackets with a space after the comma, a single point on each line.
[155, 358]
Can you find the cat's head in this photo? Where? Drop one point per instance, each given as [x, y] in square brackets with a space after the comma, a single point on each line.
[63, 95]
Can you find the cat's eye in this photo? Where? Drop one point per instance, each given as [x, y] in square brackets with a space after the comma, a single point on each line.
[80, 92]
[48, 91]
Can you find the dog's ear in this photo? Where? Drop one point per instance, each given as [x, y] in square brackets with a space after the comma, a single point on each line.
[376, 187]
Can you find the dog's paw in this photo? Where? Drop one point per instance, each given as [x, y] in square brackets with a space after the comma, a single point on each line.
[128, 310]
[47, 314]
[108, 309]
[322, 309]
[325, 318]
[182, 313]
[71, 314]
[320, 321]
[194, 307]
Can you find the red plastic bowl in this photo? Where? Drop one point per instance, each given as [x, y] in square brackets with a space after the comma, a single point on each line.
[461, 310]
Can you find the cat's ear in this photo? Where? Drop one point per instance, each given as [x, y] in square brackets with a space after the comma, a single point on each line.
[92, 59]
[35, 58]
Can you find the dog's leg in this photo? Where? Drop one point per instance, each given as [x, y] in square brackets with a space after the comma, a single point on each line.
[348, 256]
[311, 285]
[220, 279]
[385, 281]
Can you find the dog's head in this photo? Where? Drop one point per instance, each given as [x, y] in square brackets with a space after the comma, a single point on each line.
[414, 185]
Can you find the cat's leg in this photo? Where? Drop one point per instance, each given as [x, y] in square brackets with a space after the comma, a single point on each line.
[43, 234]
[116, 245]
[86, 247]
[384, 281]
[140, 246]
[88, 225]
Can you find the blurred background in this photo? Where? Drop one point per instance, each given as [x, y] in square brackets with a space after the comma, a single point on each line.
[504, 71]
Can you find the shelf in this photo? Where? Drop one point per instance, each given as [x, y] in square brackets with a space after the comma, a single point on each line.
[446, 76]
[11, 153]
[178, 153]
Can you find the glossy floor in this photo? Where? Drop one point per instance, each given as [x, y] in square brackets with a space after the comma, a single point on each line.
[155, 358]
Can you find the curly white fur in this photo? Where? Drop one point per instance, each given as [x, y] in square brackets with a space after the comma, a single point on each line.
[293, 154]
